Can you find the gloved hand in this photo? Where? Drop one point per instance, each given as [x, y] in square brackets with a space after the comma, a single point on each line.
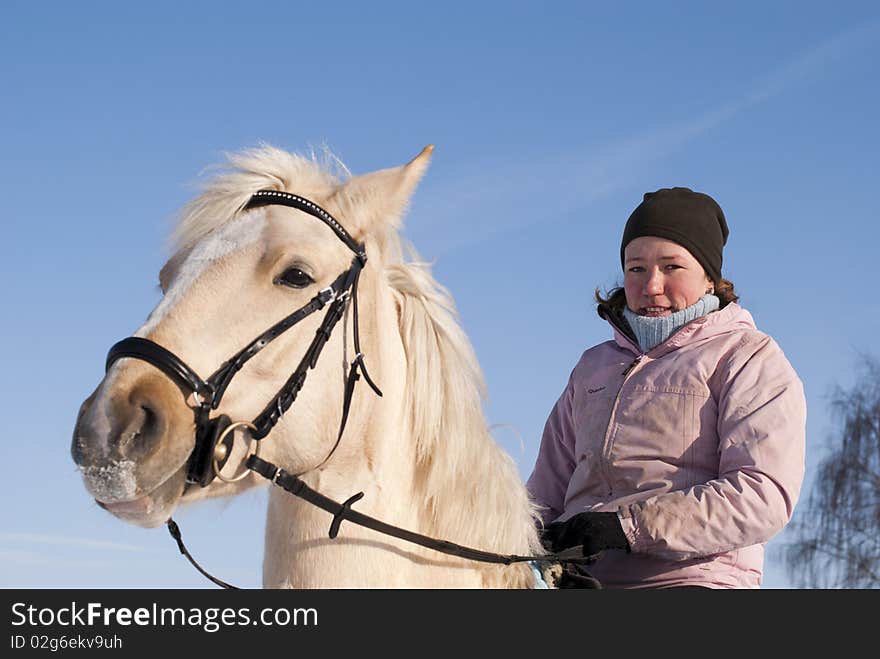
[596, 532]
[576, 576]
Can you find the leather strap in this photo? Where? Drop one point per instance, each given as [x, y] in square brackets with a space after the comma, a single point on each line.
[267, 197]
[223, 376]
[281, 402]
[297, 487]
[174, 530]
[165, 360]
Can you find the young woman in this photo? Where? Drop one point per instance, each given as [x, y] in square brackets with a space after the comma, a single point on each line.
[676, 450]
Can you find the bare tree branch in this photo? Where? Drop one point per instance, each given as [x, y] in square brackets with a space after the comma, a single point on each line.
[837, 535]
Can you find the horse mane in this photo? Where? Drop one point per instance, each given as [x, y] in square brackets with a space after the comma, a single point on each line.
[460, 468]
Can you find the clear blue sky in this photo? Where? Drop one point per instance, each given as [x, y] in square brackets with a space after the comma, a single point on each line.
[550, 121]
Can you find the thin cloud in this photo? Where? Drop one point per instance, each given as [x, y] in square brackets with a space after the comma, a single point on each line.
[23, 558]
[488, 198]
[815, 63]
[71, 542]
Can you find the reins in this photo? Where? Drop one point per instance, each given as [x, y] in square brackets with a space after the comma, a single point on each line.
[344, 512]
[214, 438]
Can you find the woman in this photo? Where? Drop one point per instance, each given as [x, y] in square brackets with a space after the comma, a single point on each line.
[677, 450]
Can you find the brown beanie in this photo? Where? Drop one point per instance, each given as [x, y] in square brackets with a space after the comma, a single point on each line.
[692, 219]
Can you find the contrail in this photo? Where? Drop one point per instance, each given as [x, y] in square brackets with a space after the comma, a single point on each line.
[68, 541]
[489, 197]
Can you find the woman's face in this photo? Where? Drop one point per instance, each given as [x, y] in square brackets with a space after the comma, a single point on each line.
[661, 277]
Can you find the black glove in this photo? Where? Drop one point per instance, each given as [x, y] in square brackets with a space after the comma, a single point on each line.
[596, 532]
[576, 576]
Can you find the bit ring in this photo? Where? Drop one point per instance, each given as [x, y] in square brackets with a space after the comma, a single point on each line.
[219, 455]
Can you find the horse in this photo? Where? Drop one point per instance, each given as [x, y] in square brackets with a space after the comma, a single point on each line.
[421, 453]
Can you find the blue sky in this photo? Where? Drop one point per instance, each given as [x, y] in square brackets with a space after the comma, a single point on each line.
[550, 121]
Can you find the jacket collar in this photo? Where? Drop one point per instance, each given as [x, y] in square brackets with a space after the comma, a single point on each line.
[729, 319]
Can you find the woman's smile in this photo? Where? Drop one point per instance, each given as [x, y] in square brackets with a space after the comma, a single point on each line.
[655, 311]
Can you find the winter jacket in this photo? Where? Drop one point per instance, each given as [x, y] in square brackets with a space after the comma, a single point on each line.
[698, 445]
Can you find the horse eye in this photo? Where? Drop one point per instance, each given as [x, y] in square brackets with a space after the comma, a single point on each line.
[295, 278]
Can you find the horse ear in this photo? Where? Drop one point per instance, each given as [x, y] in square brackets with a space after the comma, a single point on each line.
[382, 196]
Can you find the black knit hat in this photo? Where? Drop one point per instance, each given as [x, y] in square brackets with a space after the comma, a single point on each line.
[692, 219]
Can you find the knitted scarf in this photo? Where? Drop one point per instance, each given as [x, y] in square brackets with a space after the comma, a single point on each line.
[651, 331]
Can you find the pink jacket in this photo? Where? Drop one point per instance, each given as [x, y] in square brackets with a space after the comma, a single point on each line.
[698, 445]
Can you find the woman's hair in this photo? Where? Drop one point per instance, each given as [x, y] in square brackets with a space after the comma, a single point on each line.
[615, 299]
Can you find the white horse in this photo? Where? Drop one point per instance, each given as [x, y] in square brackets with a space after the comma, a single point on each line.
[421, 453]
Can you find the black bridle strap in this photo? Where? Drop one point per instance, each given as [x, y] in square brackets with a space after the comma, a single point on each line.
[174, 530]
[343, 511]
[286, 396]
[353, 377]
[270, 197]
[214, 387]
[359, 356]
[163, 359]
[223, 376]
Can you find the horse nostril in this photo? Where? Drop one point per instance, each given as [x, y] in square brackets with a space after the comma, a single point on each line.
[142, 432]
[83, 434]
[77, 449]
[151, 421]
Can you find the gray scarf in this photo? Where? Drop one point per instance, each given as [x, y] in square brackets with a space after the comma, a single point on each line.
[651, 331]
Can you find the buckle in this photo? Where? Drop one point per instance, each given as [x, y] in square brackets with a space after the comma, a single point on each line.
[327, 295]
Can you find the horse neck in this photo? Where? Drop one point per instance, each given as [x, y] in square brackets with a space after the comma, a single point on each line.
[383, 455]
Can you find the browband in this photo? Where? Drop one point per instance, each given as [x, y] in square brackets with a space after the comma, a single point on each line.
[267, 197]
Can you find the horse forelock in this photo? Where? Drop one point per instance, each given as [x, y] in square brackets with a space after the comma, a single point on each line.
[266, 167]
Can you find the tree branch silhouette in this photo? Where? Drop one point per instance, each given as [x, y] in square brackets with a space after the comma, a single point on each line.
[837, 536]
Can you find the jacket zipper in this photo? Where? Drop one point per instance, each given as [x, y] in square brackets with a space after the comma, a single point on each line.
[629, 370]
[606, 447]
[605, 457]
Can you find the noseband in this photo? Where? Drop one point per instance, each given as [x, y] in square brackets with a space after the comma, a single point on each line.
[213, 435]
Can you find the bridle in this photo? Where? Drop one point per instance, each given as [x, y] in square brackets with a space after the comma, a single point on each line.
[214, 436]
